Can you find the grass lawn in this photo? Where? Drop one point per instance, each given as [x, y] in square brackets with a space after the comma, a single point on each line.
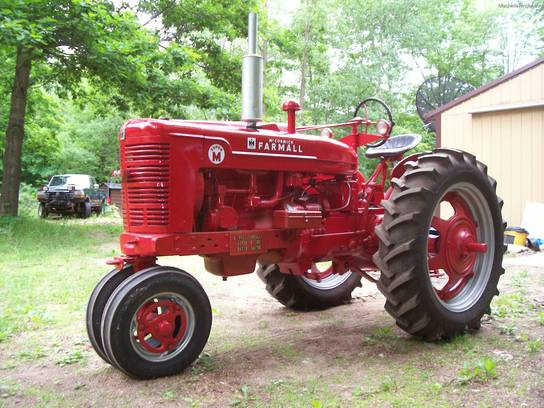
[259, 353]
[49, 268]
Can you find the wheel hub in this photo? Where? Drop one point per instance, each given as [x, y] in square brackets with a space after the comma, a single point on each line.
[455, 250]
[460, 232]
[160, 325]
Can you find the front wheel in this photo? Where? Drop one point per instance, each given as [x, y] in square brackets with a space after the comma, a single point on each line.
[84, 210]
[441, 245]
[301, 293]
[97, 302]
[42, 211]
[156, 323]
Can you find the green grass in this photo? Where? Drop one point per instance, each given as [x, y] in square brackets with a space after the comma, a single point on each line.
[49, 268]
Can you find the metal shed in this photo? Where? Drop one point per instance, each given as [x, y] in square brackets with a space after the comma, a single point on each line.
[502, 123]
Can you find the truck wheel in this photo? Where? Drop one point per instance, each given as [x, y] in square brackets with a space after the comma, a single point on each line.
[85, 210]
[300, 293]
[42, 211]
[97, 303]
[156, 323]
[439, 271]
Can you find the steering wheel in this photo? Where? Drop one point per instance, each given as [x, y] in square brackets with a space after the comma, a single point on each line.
[362, 104]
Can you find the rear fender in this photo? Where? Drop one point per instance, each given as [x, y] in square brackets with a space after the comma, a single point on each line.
[399, 170]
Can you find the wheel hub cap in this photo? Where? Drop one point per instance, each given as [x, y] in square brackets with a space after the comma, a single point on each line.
[160, 325]
[455, 248]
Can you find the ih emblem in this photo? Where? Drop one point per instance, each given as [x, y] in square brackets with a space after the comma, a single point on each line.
[216, 154]
[251, 143]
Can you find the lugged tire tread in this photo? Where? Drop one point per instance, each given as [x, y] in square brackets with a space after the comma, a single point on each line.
[394, 257]
[290, 292]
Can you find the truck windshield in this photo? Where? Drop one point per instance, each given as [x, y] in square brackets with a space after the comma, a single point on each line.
[78, 180]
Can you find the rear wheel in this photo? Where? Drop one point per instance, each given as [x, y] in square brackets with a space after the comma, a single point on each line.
[301, 293]
[156, 323]
[441, 245]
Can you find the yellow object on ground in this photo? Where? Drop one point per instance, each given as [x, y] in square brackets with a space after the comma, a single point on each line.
[516, 236]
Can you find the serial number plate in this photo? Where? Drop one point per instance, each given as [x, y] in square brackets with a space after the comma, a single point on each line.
[245, 243]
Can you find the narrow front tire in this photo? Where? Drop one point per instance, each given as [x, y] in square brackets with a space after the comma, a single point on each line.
[156, 323]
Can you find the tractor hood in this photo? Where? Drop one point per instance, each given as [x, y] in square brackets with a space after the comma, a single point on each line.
[234, 145]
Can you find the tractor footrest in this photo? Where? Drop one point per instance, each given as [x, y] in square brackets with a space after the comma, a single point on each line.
[297, 219]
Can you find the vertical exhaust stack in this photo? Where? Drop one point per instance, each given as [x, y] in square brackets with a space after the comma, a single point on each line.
[252, 77]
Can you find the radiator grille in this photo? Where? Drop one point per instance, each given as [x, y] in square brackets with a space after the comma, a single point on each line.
[146, 175]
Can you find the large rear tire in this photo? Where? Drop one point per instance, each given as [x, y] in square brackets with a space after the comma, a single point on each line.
[439, 275]
[299, 293]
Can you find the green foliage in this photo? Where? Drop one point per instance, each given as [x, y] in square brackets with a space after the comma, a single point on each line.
[99, 56]
[534, 346]
[244, 398]
[73, 357]
[169, 395]
[510, 305]
[540, 318]
[205, 363]
[28, 205]
[96, 64]
[481, 371]
[89, 142]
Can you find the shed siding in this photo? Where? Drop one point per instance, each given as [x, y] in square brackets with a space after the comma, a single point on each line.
[510, 142]
[117, 198]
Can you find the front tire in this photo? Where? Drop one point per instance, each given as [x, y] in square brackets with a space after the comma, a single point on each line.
[156, 323]
[42, 211]
[299, 293]
[84, 210]
[97, 302]
[439, 275]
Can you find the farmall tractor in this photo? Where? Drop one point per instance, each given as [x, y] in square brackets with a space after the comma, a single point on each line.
[294, 207]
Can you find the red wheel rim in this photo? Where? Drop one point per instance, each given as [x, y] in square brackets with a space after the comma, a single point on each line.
[454, 249]
[321, 276]
[161, 325]
[317, 274]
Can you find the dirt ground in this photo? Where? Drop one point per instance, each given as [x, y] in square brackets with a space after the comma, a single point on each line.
[262, 354]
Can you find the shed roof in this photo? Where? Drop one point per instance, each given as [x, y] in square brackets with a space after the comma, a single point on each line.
[113, 186]
[433, 114]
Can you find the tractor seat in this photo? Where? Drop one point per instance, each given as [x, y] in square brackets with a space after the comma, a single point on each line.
[394, 146]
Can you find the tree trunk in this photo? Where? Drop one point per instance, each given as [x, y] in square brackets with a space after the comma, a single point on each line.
[9, 200]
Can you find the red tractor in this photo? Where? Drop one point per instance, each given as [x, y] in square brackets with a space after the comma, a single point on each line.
[427, 228]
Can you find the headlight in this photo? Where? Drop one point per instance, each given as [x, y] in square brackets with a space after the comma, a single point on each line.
[79, 193]
[383, 127]
[41, 194]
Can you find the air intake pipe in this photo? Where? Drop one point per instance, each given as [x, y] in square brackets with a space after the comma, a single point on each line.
[252, 77]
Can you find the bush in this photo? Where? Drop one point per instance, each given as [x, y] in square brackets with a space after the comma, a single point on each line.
[28, 204]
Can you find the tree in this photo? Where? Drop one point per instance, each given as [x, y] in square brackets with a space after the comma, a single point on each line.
[73, 37]
[210, 28]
